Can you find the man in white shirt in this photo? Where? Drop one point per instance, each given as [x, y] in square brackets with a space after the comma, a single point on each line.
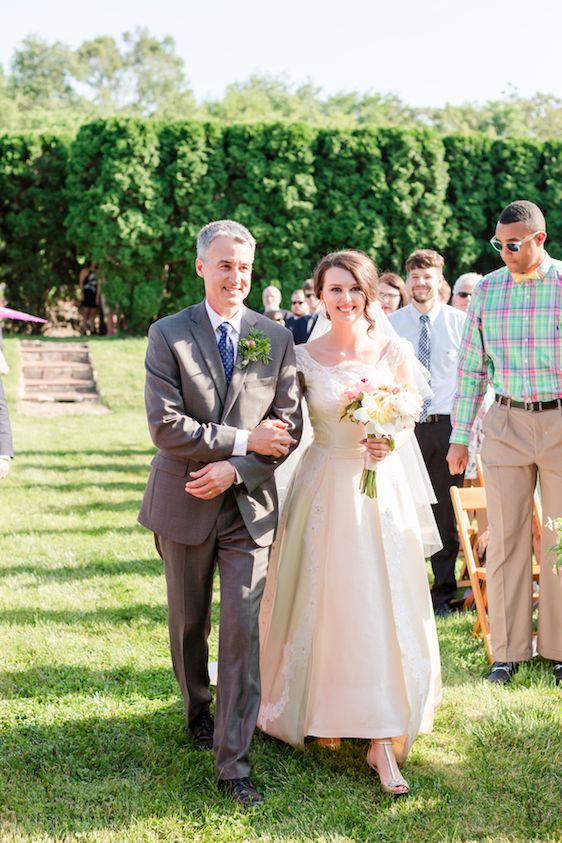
[434, 330]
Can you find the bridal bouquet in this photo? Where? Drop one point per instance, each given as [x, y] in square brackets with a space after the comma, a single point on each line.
[384, 409]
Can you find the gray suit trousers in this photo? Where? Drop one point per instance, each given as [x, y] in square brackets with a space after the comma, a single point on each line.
[189, 572]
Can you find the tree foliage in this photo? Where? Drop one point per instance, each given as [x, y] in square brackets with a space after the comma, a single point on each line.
[36, 256]
[51, 86]
[131, 195]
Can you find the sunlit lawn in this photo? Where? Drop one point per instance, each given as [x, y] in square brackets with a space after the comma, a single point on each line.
[92, 739]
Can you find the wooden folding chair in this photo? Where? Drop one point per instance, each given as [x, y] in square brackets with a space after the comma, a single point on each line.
[463, 580]
[467, 499]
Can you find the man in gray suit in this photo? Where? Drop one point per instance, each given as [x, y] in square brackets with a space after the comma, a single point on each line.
[6, 449]
[223, 409]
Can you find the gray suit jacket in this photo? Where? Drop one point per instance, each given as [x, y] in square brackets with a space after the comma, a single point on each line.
[6, 447]
[193, 420]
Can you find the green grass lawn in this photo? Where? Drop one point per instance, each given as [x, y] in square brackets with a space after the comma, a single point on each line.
[92, 743]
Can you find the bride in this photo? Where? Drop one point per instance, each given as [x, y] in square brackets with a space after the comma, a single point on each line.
[349, 646]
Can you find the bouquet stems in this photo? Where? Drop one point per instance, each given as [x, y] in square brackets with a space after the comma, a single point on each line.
[368, 484]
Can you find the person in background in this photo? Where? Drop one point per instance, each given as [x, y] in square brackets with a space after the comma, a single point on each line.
[299, 307]
[6, 447]
[512, 341]
[90, 298]
[434, 330]
[462, 289]
[299, 304]
[391, 292]
[276, 316]
[302, 327]
[444, 291]
[271, 298]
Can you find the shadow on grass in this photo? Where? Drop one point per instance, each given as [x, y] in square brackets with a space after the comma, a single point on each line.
[119, 485]
[104, 453]
[140, 613]
[106, 775]
[64, 573]
[46, 682]
[76, 531]
[98, 468]
[132, 505]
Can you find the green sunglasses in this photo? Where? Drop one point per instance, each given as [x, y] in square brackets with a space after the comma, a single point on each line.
[514, 246]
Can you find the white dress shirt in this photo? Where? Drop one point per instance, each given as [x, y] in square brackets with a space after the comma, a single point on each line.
[235, 326]
[446, 326]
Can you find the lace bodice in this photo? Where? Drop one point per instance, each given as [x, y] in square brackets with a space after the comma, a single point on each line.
[324, 387]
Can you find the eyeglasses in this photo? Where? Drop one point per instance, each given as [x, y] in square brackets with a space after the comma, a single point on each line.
[514, 245]
[463, 294]
[388, 296]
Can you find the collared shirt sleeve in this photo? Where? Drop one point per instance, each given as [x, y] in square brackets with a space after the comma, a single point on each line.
[240, 449]
[240, 444]
[472, 374]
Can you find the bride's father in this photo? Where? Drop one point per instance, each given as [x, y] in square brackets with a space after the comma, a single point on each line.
[223, 409]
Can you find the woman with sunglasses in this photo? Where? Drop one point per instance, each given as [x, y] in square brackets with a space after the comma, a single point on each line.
[462, 290]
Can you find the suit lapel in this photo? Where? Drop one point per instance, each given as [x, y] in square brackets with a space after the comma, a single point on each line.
[206, 340]
[239, 375]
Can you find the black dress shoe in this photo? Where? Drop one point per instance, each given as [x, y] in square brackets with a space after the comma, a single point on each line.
[241, 791]
[558, 673]
[203, 730]
[502, 672]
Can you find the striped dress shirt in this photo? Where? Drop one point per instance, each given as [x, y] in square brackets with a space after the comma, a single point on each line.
[511, 339]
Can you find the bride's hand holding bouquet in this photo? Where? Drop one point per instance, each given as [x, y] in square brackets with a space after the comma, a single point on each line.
[385, 410]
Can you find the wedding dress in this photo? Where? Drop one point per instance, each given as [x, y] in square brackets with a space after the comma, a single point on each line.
[348, 639]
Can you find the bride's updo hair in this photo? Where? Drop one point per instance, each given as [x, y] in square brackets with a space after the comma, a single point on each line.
[360, 266]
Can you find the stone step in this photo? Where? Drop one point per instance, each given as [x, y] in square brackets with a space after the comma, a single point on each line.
[54, 352]
[36, 370]
[61, 397]
[42, 344]
[58, 385]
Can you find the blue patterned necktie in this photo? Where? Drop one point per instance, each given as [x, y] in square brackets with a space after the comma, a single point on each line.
[226, 351]
[424, 356]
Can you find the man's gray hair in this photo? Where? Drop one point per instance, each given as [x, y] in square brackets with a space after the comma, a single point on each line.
[464, 279]
[223, 228]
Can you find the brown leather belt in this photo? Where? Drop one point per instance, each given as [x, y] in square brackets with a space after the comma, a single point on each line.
[531, 406]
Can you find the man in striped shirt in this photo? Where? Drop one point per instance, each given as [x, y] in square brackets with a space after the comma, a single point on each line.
[512, 340]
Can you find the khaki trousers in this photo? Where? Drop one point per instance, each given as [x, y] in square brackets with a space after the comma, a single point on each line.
[517, 446]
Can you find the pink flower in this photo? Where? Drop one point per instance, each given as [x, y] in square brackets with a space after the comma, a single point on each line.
[368, 386]
[250, 343]
[352, 392]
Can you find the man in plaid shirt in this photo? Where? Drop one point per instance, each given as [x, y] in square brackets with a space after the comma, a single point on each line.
[512, 340]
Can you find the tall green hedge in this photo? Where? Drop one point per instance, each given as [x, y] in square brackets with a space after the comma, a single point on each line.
[131, 196]
[35, 253]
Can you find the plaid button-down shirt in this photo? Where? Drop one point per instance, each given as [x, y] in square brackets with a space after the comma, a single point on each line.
[511, 339]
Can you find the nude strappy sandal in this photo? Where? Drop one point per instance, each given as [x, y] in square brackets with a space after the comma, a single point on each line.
[396, 785]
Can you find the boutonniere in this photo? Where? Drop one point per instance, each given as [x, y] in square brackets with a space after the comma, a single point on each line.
[254, 348]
